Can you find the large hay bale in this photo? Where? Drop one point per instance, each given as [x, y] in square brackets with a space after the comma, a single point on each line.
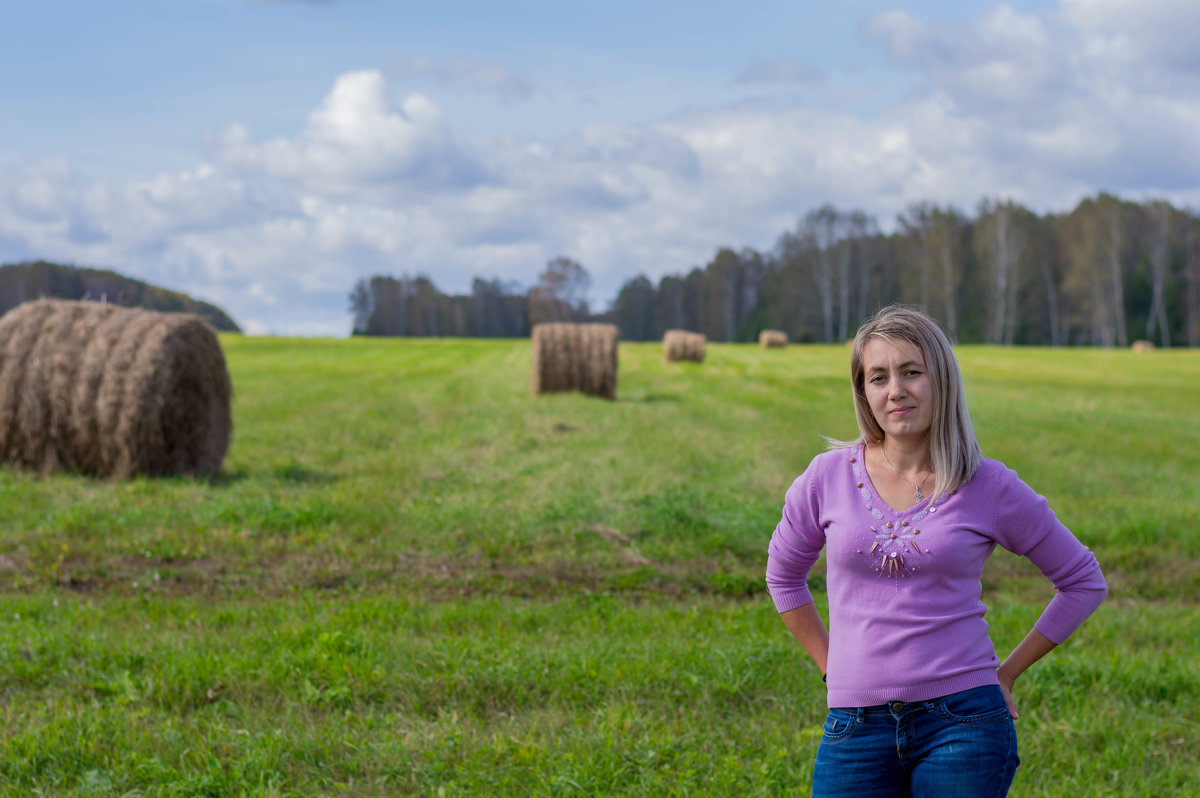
[1142, 346]
[772, 338]
[575, 357]
[683, 345]
[111, 391]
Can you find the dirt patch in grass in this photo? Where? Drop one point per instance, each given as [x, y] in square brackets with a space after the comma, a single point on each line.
[440, 577]
[435, 576]
[603, 560]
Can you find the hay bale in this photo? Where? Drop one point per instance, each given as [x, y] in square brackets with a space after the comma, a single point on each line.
[111, 391]
[772, 338]
[575, 357]
[683, 345]
[1142, 346]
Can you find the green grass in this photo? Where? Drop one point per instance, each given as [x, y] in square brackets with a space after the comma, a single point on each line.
[414, 578]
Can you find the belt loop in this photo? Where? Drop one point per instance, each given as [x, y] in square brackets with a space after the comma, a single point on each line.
[862, 713]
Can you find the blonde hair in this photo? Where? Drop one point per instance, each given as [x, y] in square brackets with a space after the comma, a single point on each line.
[953, 448]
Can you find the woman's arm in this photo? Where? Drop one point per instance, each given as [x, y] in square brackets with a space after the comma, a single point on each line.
[1035, 646]
[1026, 525]
[806, 626]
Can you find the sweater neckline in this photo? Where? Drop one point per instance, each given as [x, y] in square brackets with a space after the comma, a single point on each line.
[893, 547]
[871, 499]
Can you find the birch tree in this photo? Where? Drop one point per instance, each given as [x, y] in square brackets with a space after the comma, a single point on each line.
[1160, 215]
[1096, 272]
[824, 229]
[811, 245]
[916, 224]
[1113, 221]
[861, 231]
[863, 234]
[1002, 245]
[561, 292]
[936, 252]
[1048, 257]
[947, 252]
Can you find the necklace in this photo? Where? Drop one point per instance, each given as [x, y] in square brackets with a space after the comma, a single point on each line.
[917, 494]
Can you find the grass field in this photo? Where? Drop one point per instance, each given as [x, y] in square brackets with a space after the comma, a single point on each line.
[413, 578]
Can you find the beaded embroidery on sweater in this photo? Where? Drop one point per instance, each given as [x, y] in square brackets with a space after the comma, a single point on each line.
[894, 550]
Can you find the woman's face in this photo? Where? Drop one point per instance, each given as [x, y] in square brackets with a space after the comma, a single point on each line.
[896, 384]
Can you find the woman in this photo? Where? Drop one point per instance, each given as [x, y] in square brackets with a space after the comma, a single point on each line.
[920, 705]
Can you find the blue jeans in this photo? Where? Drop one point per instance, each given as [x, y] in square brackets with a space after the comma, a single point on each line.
[962, 745]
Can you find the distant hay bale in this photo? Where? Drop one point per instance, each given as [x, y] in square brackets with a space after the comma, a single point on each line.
[575, 357]
[683, 345]
[1142, 346]
[111, 391]
[772, 338]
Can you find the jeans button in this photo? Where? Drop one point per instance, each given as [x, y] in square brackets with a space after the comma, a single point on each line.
[897, 706]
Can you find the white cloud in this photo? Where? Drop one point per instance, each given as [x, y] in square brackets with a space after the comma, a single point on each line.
[1001, 61]
[1159, 34]
[1100, 95]
[358, 139]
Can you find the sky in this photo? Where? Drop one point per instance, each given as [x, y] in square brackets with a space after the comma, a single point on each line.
[265, 155]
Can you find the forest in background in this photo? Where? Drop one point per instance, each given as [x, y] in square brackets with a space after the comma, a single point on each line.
[22, 282]
[1107, 273]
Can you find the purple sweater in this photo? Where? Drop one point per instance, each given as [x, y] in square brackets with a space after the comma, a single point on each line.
[905, 614]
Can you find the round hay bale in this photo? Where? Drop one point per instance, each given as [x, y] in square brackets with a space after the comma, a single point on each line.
[683, 345]
[1142, 346]
[772, 338]
[112, 391]
[575, 357]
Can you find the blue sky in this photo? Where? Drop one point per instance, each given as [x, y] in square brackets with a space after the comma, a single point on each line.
[266, 154]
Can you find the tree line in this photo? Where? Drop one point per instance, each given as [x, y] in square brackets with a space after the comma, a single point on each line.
[23, 282]
[1107, 273]
[383, 305]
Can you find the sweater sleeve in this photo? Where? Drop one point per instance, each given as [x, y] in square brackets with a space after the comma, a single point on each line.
[796, 545]
[1026, 525]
